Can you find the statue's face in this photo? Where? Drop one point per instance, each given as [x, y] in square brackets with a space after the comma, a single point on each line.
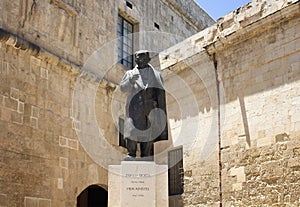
[142, 59]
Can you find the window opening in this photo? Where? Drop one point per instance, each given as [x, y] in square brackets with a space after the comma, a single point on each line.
[125, 42]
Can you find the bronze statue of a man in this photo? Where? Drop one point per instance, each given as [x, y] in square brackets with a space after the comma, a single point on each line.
[145, 118]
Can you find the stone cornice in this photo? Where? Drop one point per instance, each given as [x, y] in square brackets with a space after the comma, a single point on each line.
[233, 28]
[184, 8]
[20, 44]
[184, 13]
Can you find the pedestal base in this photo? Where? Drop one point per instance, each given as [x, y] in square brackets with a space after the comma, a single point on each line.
[138, 183]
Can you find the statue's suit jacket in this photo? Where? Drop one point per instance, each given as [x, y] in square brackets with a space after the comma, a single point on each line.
[159, 128]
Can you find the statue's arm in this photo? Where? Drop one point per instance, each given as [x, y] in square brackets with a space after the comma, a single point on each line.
[126, 84]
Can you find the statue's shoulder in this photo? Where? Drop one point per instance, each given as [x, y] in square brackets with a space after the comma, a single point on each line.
[154, 70]
[130, 71]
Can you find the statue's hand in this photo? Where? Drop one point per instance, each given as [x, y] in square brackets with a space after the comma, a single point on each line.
[133, 77]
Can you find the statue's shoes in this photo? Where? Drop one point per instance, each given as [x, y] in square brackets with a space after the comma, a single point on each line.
[129, 158]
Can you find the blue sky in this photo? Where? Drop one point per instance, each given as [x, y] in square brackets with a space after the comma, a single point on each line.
[218, 8]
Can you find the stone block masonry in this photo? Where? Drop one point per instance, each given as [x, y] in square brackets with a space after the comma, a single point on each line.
[237, 81]
[37, 202]
[253, 55]
[43, 48]
[73, 30]
[39, 148]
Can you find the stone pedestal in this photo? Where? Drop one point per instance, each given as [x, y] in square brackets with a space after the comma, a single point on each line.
[138, 183]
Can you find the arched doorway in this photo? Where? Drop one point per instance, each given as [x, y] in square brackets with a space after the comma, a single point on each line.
[93, 196]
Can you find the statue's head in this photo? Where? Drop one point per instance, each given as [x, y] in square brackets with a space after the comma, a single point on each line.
[142, 58]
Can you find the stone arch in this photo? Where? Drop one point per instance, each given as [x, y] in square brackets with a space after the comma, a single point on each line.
[93, 196]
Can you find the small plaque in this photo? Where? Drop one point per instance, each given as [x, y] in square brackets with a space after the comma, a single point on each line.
[138, 184]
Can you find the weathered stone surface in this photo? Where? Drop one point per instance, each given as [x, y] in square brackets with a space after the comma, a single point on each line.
[237, 81]
[43, 47]
[250, 54]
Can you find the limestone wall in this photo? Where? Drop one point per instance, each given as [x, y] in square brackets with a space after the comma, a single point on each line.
[232, 101]
[41, 156]
[74, 29]
[243, 74]
[44, 130]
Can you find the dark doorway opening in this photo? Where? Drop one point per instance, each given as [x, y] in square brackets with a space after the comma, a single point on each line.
[93, 196]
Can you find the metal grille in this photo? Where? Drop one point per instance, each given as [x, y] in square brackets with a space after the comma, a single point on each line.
[175, 162]
[125, 42]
